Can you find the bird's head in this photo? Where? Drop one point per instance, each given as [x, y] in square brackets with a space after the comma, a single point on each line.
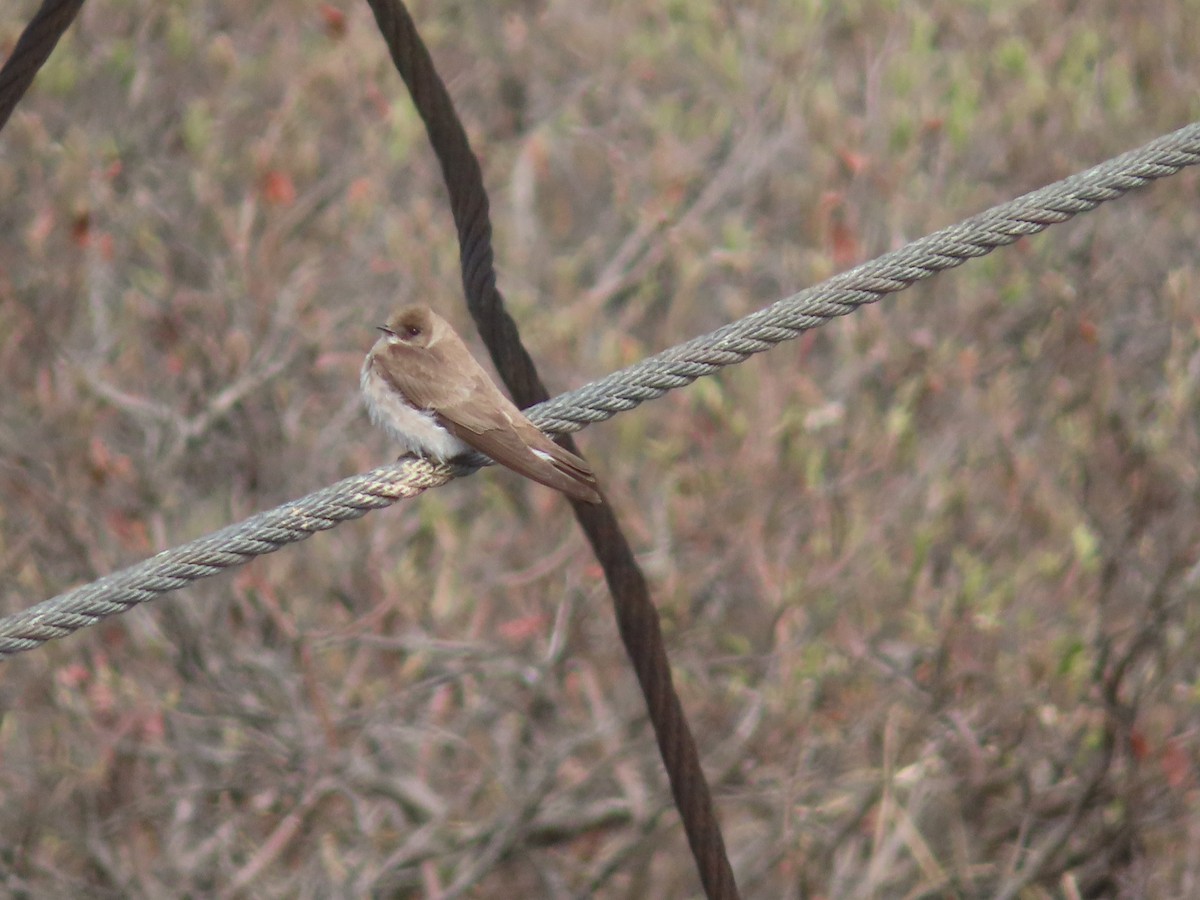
[413, 326]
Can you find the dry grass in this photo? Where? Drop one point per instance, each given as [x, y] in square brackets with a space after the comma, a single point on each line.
[928, 575]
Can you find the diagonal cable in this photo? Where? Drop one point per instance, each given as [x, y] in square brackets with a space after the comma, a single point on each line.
[843, 293]
[33, 48]
[234, 545]
[602, 399]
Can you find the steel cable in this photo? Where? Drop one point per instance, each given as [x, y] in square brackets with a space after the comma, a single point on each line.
[604, 398]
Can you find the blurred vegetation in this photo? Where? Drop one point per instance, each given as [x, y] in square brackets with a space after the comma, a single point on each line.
[928, 575]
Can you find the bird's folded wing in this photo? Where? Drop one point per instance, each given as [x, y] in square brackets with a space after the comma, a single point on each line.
[548, 464]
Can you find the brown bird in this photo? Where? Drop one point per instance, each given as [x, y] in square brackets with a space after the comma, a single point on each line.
[422, 385]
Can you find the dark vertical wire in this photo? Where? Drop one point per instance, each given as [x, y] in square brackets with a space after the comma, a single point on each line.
[637, 619]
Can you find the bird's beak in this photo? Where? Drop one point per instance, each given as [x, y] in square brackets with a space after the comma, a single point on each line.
[386, 330]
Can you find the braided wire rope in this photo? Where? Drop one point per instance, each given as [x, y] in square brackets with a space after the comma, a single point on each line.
[636, 615]
[947, 248]
[622, 390]
[32, 50]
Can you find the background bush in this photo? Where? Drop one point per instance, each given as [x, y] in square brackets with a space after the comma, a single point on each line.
[928, 575]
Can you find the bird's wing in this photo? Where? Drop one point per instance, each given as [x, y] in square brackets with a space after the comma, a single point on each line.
[474, 410]
[555, 468]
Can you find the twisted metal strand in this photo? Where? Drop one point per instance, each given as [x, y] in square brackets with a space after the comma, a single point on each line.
[33, 48]
[636, 615]
[266, 532]
[867, 283]
[602, 399]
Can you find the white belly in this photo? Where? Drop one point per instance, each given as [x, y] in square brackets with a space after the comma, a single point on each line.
[416, 429]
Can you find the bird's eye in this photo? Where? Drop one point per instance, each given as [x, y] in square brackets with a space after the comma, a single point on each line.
[413, 331]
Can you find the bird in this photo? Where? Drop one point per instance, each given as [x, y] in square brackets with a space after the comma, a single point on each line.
[421, 384]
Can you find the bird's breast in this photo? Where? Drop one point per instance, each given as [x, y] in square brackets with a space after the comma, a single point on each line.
[417, 430]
